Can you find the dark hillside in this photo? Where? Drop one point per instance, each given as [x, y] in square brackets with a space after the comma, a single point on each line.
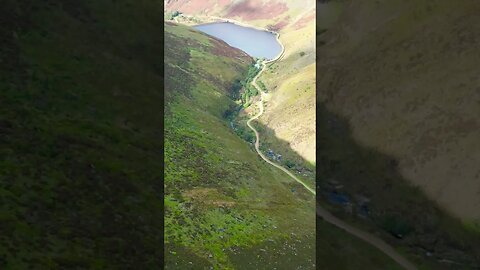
[398, 120]
[80, 122]
[404, 74]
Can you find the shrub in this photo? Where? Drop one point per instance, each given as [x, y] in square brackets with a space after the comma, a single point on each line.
[262, 86]
[397, 226]
[289, 164]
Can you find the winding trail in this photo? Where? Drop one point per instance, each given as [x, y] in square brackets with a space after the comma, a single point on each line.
[321, 212]
[257, 135]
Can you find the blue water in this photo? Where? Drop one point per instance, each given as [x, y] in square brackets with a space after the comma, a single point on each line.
[254, 42]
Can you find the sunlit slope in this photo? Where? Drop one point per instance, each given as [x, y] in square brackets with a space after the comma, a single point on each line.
[222, 201]
[224, 206]
[404, 74]
[291, 116]
[276, 14]
[291, 108]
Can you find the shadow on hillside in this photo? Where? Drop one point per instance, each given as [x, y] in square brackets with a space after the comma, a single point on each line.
[292, 252]
[363, 186]
[280, 152]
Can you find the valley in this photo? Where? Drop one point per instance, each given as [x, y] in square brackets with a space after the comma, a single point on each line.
[108, 154]
[360, 179]
[255, 110]
[234, 203]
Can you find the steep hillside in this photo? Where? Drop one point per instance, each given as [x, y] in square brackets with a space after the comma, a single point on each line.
[80, 155]
[225, 207]
[276, 14]
[223, 204]
[405, 78]
[398, 119]
[290, 114]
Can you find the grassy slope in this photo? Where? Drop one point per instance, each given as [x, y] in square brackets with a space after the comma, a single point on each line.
[291, 114]
[333, 244]
[385, 68]
[221, 200]
[81, 163]
[427, 61]
[297, 94]
[227, 181]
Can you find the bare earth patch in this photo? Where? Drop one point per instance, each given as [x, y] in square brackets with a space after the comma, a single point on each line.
[279, 25]
[194, 7]
[208, 196]
[256, 10]
[303, 21]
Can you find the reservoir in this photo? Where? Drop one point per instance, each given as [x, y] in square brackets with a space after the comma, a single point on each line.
[256, 43]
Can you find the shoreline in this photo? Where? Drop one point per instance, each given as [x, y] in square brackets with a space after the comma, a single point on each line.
[321, 212]
[214, 19]
[368, 238]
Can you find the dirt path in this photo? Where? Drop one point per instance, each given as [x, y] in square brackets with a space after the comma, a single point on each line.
[257, 142]
[321, 212]
[367, 237]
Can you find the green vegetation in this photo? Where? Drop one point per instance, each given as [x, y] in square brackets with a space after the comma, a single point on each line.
[171, 15]
[397, 226]
[215, 230]
[289, 164]
[245, 133]
[262, 86]
[81, 162]
[337, 250]
[248, 89]
[243, 89]
[219, 196]
[236, 87]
